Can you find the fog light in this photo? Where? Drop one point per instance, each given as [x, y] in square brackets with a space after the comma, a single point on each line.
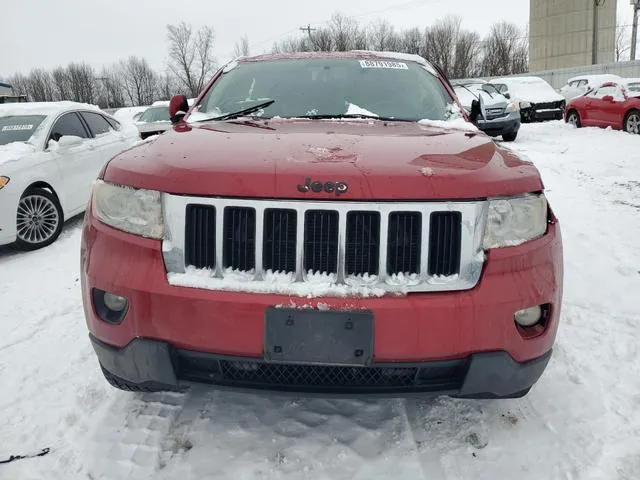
[110, 307]
[529, 316]
[114, 302]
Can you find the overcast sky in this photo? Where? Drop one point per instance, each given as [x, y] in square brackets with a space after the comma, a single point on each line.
[48, 33]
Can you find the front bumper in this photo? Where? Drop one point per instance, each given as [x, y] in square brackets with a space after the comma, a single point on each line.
[502, 125]
[9, 199]
[482, 375]
[418, 328]
[535, 114]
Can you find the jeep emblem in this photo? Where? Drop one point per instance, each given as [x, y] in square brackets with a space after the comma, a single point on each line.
[329, 187]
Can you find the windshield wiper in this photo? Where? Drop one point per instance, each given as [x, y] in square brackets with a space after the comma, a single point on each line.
[239, 113]
[355, 115]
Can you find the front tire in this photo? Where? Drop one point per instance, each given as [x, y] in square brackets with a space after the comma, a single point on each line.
[39, 219]
[574, 119]
[510, 137]
[632, 122]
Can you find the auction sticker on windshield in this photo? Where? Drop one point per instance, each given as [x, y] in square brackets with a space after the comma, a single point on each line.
[383, 64]
[16, 128]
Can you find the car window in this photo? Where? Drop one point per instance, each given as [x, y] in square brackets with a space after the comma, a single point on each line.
[155, 114]
[113, 122]
[97, 123]
[18, 128]
[68, 124]
[502, 88]
[604, 91]
[330, 87]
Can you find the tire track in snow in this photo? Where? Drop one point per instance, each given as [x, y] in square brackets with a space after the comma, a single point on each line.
[127, 441]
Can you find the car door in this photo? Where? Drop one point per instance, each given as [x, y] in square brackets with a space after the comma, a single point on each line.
[595, 107]
[72, 160]
[106, 142]
[615, 110]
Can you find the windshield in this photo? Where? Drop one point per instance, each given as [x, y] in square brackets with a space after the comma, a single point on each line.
[155, 114]
[18, 128]
[328, 87]
[633, 87]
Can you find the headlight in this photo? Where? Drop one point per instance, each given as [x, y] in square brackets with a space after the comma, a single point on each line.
[525, 104]
[3, 181]
[132, 210]
[512, 107]
[513, 221]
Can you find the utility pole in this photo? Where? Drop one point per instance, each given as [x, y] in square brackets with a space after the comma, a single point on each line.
[308, 29]
[596, 24]
[634, 32]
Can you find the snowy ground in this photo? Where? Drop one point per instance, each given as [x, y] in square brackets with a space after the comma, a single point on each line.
[581, 421]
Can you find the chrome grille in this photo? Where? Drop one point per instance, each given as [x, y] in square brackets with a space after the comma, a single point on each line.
[361, 253]
[279, 240]
[405, 230]
[395, 246]
[444, 243]
[239, 238]
[200, 236]
[321, 241]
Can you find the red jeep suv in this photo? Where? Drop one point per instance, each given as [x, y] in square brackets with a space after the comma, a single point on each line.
[323, 224]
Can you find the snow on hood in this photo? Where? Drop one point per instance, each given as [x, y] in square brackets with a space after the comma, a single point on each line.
[534, 90]
[453, 124]
[14, 151]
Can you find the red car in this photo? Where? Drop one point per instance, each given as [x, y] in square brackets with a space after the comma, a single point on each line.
[323, 223]
[610, 105]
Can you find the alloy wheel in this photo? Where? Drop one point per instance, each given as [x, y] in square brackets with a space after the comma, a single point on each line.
[573, 119]
[633, 123]
[37, 220]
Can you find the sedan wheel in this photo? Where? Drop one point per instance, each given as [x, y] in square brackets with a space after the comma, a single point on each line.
[632, 125]
[38, 220]
[574, 119]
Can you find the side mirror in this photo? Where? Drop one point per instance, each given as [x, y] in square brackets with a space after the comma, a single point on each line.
[507, 95]
[607, 98]
[68, 141]
[178, 108]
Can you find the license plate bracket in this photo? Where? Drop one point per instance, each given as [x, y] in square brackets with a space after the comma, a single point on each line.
[305, 336]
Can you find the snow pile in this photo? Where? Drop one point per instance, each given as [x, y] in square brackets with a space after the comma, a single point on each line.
[315, 284]
[15, 151]
[356, 110]
[454, 124]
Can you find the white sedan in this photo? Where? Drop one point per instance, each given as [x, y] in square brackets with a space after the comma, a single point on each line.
[50, 155]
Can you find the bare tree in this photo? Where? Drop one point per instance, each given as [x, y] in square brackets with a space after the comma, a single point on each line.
[113, 87]
[168, 86]
[82, 82]
[345, 32]
[383, 37]
[440, 43]
[623, 41]
[505, 50]
[242, 47]
[39, 86]
[412, 41]
[191, 57]
[139, 81]
[61, 83]
[467, 51]
[20, 84]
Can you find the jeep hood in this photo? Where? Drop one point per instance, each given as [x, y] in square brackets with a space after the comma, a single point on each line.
[377, 160]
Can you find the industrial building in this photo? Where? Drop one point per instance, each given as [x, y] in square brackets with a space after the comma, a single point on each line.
[5, 89]
[562, 33]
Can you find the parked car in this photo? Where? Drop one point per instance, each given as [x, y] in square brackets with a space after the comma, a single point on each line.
[632, 85]
[153, 121]
[611, 105]
[577, 86]
[537, 99]
[499, 115]
[50, 155]
[327, 223]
